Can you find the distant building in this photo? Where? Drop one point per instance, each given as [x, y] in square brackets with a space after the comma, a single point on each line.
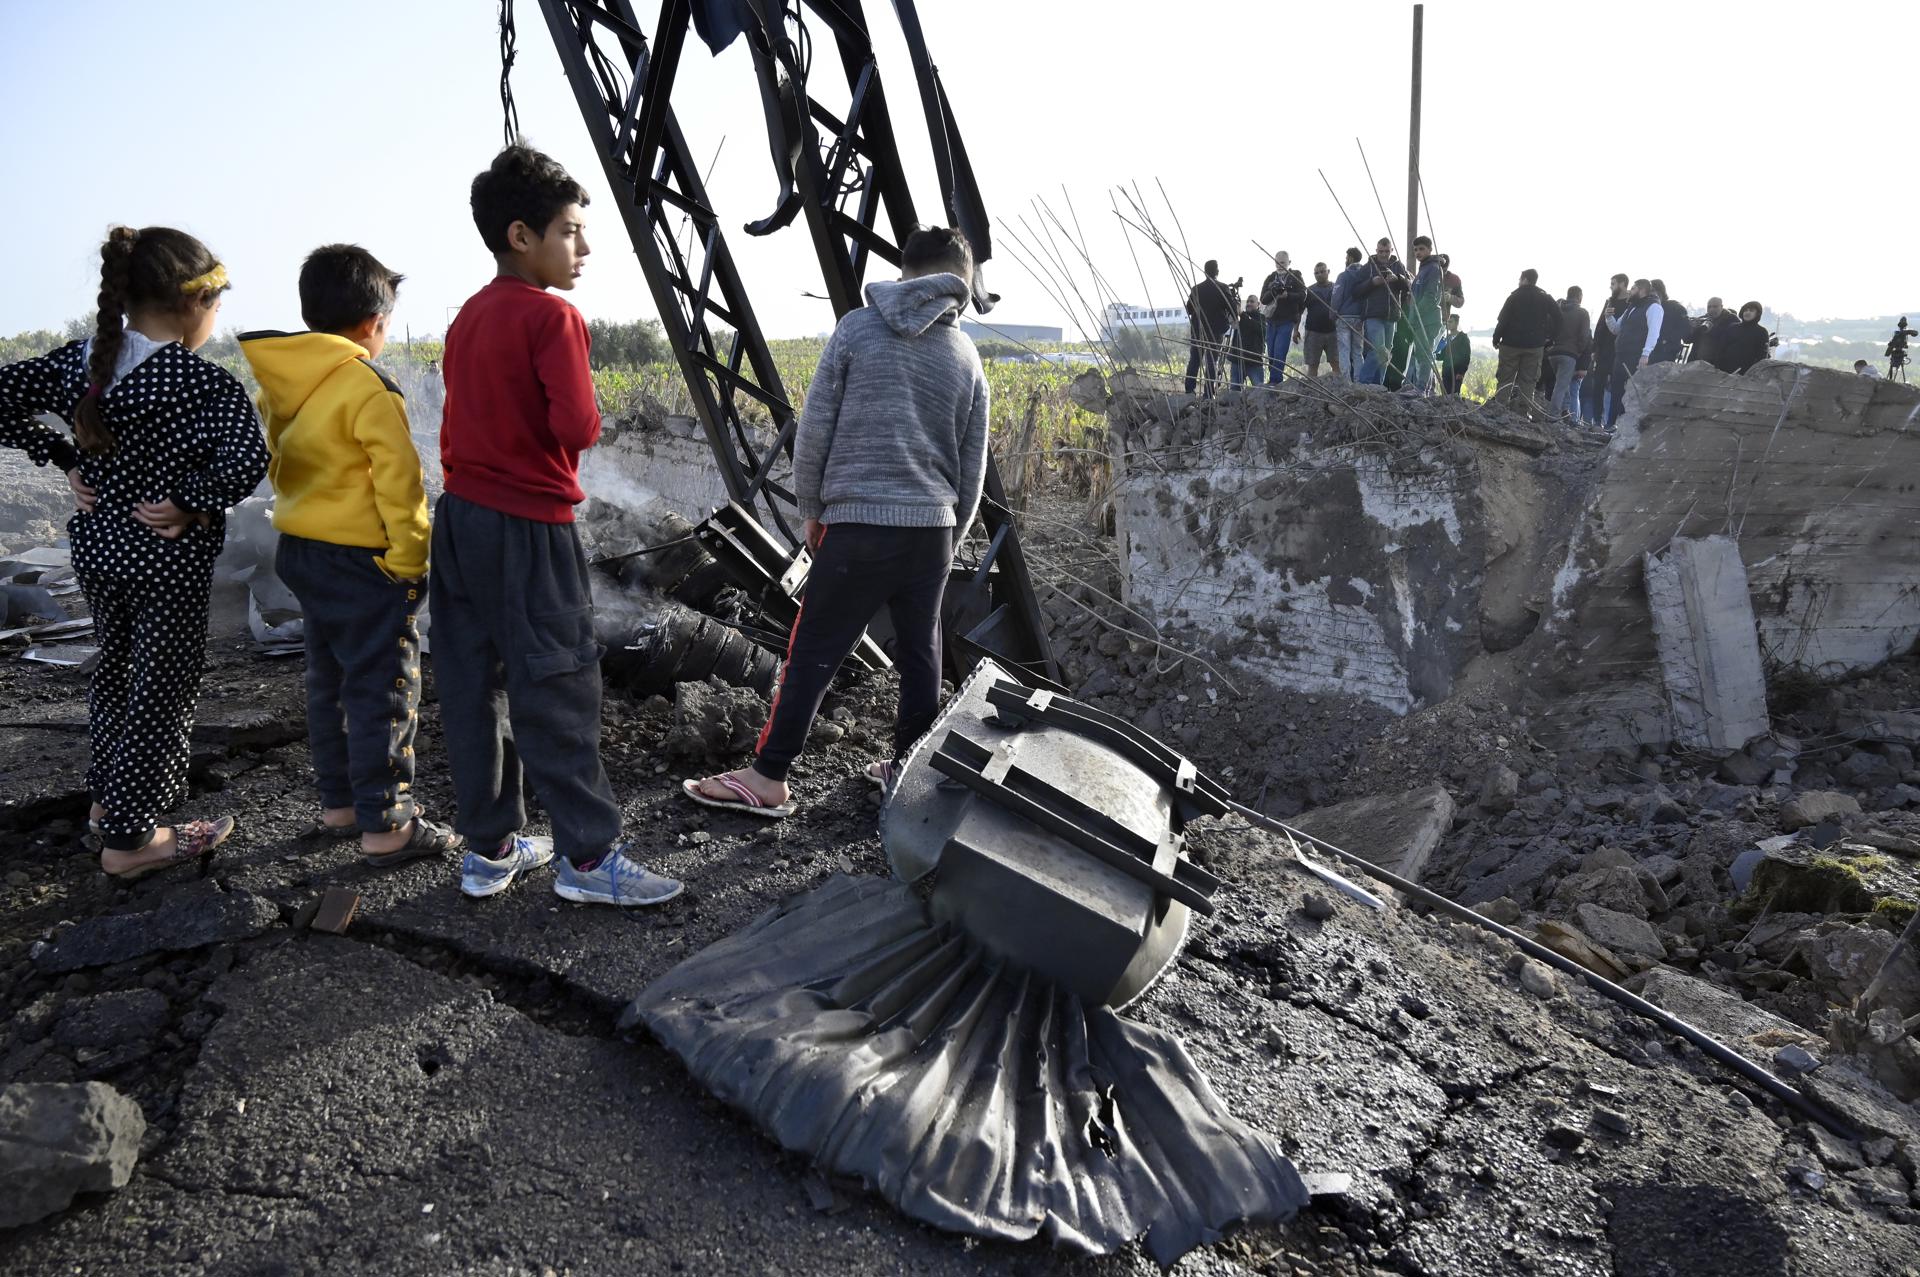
[1169, 320]
[1007, 333]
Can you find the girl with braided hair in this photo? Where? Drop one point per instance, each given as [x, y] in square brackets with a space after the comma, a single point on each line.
[163, 442]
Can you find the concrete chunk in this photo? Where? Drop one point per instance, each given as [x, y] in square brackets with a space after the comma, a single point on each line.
[1708, 647]
[198, 915]
[1619, 932]
[1722, 1013]
[1817, 807]
[1398, 832]
[57, 1141]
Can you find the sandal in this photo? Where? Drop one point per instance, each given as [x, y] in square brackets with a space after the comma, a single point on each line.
[338, 833]
[744, 799]
[881, 773]
[194, 840]
[427, 839]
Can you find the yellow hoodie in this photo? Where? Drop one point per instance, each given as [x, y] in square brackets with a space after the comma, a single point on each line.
[344, 469]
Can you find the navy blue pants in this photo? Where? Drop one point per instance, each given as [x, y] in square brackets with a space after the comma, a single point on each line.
[517, 673]
[363, 677]
[858, 569]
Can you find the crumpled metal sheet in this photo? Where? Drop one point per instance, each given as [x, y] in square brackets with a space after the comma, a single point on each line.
[970, 1095]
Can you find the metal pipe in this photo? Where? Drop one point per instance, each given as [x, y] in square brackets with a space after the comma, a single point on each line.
[1600, 984]
[1413, 136]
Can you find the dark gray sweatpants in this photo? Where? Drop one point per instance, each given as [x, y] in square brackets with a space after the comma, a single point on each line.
[363, 677]
[517, 673]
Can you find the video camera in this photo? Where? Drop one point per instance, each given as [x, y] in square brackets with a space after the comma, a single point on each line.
[1897, 348]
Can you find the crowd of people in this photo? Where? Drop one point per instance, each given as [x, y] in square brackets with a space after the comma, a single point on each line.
[890, 458]
[1383, 323]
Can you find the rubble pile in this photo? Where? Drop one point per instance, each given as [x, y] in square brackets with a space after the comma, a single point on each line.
[1493, 1114]
[1777, 879]
[1795, 478]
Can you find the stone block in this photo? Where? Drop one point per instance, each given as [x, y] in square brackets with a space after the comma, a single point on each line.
[1615, 887]
[1898, 726]
[1398, 832]
[57, 1141]
[1749, 1029]
[1571, 943]
[1816, 807]
[1708, 648]
[1619, 932]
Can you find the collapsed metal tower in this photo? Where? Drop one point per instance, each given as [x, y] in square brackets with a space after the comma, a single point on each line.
[841, 171]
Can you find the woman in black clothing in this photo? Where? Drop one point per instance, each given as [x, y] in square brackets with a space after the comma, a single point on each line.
[1743, 344]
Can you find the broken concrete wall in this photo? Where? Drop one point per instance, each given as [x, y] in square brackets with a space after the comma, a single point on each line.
[648, 457]
[1329, 537]
[1811, 471]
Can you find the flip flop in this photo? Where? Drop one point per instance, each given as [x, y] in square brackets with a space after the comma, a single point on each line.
[338, 833]
[192, 841]
[744, 799]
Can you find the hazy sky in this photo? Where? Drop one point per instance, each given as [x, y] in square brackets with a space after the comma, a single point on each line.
[1731, 148]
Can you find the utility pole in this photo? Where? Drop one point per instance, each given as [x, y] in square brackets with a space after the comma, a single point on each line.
[1413, 138]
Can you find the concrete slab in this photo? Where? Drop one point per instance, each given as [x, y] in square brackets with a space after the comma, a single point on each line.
[1708, 648]
[665, 460]
[1398, 832]
[1748, 1029]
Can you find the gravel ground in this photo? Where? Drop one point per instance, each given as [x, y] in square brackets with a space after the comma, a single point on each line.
[442, 1090]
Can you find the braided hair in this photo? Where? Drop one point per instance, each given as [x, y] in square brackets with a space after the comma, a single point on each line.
[138, 268]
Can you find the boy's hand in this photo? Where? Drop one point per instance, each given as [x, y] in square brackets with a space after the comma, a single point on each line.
[815, 531]
[166, 518]
[83, 496]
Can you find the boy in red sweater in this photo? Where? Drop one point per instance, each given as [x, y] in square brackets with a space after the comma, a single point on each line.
[515, 662]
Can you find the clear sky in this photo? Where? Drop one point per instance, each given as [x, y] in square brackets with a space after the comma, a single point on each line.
[1731, 148]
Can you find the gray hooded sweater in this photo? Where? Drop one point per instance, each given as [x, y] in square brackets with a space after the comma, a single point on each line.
[895, 426]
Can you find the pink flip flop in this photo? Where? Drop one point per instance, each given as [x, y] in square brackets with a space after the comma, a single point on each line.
[744, 799]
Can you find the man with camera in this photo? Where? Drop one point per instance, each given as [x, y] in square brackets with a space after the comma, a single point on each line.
[1382, 291]
[1897, 351]
[1210, 314]
[1283, 296]
[1710, 331]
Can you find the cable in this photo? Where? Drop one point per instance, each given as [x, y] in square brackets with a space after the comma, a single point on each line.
[1376, 198]
[643, 550]
[509, 113]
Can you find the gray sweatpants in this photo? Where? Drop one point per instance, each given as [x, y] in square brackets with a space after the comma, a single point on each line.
[517, 672]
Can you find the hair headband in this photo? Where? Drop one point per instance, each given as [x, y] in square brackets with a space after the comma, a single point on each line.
[214, 279]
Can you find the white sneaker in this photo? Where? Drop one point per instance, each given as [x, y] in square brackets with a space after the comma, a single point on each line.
[480, 877]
